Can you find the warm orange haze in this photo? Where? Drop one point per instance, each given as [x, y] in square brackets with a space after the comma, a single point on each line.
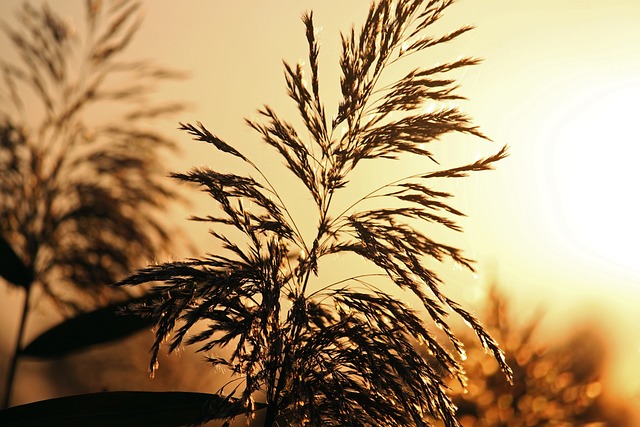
[555, 225]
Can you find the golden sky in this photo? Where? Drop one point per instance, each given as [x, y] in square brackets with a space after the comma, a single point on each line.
[560, 84]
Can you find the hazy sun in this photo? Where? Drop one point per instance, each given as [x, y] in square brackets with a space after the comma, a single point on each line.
[595, 175]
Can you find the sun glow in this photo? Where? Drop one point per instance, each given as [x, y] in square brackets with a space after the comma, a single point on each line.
[595, 174]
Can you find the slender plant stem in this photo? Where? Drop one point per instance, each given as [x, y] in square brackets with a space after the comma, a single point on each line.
[272, 412]
[17, 349]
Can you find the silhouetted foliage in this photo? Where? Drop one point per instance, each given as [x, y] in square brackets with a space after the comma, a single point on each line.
[80, 161]
[557, 384]
[78, 156]
[333, 354]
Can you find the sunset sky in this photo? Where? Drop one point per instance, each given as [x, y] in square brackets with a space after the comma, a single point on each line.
[555, 224]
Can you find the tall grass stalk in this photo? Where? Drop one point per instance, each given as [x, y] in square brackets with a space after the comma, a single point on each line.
[80, 158]
[335, 353]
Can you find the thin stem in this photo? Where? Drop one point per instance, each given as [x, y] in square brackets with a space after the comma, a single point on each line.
[284, 206]
[370, 195]
[272, 412]
[354, 278]
[17, 351]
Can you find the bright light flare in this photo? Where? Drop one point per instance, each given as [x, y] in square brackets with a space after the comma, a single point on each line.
[596, 174]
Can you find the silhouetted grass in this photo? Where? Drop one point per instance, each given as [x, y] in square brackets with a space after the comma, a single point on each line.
[79, 157]
[341, 354]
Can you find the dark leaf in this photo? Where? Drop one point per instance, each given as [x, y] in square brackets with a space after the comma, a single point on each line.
[11, 266]
[100, 326]
[122, 409]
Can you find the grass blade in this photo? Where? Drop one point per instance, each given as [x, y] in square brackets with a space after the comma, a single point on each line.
[122, 408]
[100, 326]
